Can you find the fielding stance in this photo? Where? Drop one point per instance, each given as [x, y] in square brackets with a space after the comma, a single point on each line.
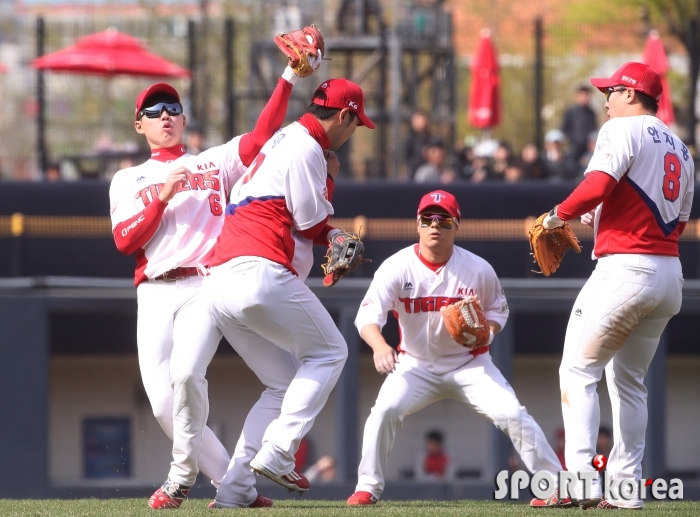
[415, 283]
[640, 184]
[169, 211]
[263, 308]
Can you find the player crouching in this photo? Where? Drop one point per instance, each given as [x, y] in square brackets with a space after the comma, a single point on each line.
[423, 285]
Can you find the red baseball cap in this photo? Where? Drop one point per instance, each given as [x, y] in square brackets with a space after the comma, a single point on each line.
[341, 94]
[152, 90]
[637, 76]
[440, 199]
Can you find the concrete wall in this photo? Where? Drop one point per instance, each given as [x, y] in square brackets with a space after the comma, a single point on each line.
[89, 386]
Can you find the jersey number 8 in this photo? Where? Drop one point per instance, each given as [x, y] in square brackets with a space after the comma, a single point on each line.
[672, 176]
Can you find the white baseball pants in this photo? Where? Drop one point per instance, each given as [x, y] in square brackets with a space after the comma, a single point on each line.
[253, 298]
[615, 325]
[173, 324]
[478, 384]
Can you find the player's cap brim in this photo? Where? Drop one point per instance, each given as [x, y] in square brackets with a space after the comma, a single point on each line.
[603, 82]
[365, 121]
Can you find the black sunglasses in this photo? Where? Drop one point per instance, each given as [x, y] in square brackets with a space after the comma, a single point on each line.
[173, 109]
[609, 91]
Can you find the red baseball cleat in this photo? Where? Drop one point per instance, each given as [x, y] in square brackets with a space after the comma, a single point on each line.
[605, 505]
[552, 501]
[260, 502]
[361, 498]
[169, 496]
[292, 481]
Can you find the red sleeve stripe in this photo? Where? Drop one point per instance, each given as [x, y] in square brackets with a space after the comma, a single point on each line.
[589, 194]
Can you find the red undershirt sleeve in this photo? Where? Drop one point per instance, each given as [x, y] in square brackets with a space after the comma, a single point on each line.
[135, 232]
[317, 230]
[589, 194]
[269, 121]
[681, 227]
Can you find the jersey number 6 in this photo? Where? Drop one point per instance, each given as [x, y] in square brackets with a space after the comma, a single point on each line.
[215, 204]
[672, 177]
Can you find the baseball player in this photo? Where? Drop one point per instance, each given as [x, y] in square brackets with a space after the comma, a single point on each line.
[415, 283]
[637, 194]
[169, 211]
[258, 297]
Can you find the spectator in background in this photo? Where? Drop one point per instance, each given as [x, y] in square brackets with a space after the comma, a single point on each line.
[480, 169]
[434, 170]
[604, 444]
[502, 160]
[464, 160]
[324, 470]
[52, 172]
[532, 164]
[578, 122]
[433, 463]
[418, 137]
[513, 173]
[559, 165]
[194, 139]
[585, 158]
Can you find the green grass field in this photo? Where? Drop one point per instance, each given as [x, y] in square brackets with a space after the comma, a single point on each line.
[124, 507]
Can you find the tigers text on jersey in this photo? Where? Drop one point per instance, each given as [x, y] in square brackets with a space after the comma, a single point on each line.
[655, 174]
[415, 293]
[191, 221]
[284, 188]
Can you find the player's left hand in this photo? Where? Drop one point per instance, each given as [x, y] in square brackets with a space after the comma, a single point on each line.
[587, 218]
[385, 359]
[332, 164]
[552, 220]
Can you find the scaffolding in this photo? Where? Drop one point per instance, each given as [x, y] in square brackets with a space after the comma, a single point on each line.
[403, 67]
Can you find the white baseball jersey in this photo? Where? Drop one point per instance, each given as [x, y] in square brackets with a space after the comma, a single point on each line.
[283, 189]
[415, 293]
[192, 220]
[656, 181]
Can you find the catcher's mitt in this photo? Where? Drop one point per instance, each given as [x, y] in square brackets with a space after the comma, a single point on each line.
[548, 246]
[466, 322]
[299, 46]
[344, 254]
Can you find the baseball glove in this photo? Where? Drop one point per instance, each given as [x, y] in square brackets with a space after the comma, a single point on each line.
[548, 246]
[466, 322]
[344, 254]
[299, 46]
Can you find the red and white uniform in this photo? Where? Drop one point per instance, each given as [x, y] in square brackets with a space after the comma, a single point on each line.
[174, 324]
[431, 365]
[641, 179]
[265, 310]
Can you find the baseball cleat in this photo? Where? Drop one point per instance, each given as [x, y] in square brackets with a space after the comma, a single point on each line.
[292, 481]
[552, 501]
[260, 502]
[587, 504]
[169, 496]
[361, 498]
[605, 505]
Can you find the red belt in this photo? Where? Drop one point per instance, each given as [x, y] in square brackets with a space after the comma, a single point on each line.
[177, 274]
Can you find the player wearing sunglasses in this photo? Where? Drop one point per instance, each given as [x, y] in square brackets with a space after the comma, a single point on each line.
[169, 212]
[429, 365]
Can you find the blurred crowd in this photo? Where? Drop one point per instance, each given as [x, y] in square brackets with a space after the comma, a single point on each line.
[565, 155]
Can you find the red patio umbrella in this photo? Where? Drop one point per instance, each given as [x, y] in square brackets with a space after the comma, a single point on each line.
[109, 52]
[484, 92]
[655, 57]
